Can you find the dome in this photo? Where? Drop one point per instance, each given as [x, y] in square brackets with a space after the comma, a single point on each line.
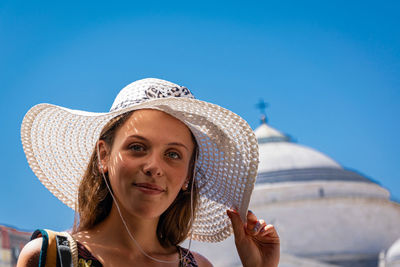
[298, 186]
[286, 156]
[278, 153]
[284, 161]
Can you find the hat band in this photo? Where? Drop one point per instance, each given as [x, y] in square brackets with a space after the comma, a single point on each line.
[154, 93]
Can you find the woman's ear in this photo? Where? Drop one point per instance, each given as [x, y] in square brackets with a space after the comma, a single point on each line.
[103, 155]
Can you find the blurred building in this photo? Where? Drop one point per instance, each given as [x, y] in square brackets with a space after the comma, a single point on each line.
[326, 215]
[12, 242]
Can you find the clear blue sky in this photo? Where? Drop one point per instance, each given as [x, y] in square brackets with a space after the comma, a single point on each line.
[330, 71]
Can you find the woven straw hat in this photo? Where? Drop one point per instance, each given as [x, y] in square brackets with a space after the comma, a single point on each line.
[58, 143]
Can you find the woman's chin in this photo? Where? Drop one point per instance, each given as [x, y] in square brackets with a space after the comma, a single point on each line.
[147, 213]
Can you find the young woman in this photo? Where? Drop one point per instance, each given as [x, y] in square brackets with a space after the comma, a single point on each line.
[160, 167]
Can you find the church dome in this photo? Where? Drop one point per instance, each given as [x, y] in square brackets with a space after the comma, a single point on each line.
[285, 156]
[277, 153]
[284, 161]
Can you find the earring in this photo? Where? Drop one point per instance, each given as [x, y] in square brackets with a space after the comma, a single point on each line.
[185, 186]
[101, 167]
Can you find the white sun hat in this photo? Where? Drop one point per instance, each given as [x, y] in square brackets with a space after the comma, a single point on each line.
[58, 143]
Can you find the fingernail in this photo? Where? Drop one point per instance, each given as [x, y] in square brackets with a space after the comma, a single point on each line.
[256, 227]
[229, 213]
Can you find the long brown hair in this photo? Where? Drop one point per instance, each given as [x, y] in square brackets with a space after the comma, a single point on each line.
[95, 201]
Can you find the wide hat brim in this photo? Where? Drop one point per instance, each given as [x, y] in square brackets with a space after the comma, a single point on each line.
[58, 143]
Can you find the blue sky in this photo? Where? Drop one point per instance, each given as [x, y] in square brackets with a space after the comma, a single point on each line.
[330, 72]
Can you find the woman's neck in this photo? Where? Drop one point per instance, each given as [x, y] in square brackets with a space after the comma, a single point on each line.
[113, 231]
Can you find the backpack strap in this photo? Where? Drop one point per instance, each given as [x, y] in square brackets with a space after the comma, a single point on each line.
[58, 249]
[67, 250]
[48, 254]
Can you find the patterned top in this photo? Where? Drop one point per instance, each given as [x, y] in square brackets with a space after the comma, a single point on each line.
[86, 259]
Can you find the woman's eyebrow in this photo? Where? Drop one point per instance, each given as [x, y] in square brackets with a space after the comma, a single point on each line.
[170, 144]
[178, 144]
[138, 137]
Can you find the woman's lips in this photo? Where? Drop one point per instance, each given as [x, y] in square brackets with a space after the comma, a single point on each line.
[150, 189]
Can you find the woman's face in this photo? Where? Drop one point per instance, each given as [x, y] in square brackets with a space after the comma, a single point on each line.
[149, 162]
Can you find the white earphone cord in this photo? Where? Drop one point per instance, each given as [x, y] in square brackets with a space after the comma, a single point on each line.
[126, 226]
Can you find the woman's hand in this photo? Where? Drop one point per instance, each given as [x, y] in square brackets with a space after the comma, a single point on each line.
[257, 242]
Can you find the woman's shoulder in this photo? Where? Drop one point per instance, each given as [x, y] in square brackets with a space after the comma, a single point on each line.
[30, 254]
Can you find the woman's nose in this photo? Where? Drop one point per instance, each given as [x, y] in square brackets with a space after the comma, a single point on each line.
[152, 166]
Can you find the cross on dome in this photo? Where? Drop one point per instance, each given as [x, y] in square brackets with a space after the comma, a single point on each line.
[262, 106]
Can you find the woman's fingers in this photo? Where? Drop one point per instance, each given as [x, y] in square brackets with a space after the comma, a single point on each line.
[256, 241]
[268, 235]
[270, 231]
[251, 217]
[237, 224]
[259, 227]
[253, 225]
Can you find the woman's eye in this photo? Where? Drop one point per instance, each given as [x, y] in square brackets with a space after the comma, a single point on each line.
[173, 155]
[136, 148]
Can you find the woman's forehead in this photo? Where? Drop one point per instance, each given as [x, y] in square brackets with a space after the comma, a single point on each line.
[155, 124]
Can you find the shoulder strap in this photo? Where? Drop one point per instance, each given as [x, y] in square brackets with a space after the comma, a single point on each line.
[58, 249]
[48, 254]
[67, 250]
